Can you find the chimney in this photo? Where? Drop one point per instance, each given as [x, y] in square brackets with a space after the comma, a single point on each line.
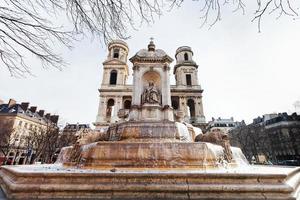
[24, 105]
[41, 113]
[11, 102]
[47, 116]
[54, 118]
[33, 109]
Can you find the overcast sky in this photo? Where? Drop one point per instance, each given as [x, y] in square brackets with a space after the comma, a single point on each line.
[244, 73]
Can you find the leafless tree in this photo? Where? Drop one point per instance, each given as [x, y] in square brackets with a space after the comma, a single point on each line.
[67, 139]
[33, 27]
[43, 142]
[6, 139]
[253, 140]
[211, 10]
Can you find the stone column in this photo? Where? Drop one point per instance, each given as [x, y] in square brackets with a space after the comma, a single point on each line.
[196, 77]
[197, 107]
[199, 110]
[101, 109]
[117, 107]
[106, 77]
[183, 79]
[168, 92]
[133, 115]
[139, 86]
[164, 88]
[119, 77]
[135, 99]
[183, 105]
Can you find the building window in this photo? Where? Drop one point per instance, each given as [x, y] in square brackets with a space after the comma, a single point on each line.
[188, 79]
[116, 53]
[191, 105]
[113, 77]
[186, 56]
[175, 102]
[109, 108]
[127, 104]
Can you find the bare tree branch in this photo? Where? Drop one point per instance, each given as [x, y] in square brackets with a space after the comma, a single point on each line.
[283, 7]
[32, 27]
[29, 27]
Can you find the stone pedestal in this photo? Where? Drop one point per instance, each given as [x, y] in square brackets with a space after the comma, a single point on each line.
[143, 131]
[151, 112]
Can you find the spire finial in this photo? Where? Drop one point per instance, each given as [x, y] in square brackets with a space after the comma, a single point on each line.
[151, 45]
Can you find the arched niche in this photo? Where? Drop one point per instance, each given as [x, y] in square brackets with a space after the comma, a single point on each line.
[151, 76]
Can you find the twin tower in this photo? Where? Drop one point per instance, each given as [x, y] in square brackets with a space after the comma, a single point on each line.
[151, 97]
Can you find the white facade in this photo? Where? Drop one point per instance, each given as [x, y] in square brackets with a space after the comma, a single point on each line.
[149, 66]
[224, 124]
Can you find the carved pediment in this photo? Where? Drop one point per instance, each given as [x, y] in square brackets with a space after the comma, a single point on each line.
[114, 62]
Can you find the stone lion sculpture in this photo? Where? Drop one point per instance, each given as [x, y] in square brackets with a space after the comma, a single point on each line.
[219, 137]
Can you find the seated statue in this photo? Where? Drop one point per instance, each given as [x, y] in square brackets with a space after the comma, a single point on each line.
[219, 137]
[151, 94]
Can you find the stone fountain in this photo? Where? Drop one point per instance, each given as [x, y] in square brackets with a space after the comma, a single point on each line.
[149, 155]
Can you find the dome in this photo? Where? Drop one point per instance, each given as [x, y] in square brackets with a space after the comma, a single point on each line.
[157, 53]
[151, 54]
[183, 48]
[118, 43]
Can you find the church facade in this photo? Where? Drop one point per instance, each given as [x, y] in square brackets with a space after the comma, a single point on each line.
[151, 80]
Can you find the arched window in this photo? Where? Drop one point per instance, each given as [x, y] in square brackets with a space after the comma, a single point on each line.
[188, 79]
[191, 105]
[127, 104]
[186, 56]
[175, 102]
[109, 107]
[116, 53]
[113, 77]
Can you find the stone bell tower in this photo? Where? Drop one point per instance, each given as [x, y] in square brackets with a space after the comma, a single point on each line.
[186, 76]
[115, 74]
[185, 69]
[115, 69]
[151, 96]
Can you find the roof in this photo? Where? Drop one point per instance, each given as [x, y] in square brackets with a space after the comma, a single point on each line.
[17, 109]
[183, 48]
[13, 109]
[151, 54]
[283, 117]
[118, 43]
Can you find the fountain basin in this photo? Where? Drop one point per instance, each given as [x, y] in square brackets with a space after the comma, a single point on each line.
[57, 181]
[153, 154]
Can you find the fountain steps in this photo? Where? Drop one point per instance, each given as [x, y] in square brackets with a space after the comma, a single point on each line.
[265, 183]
